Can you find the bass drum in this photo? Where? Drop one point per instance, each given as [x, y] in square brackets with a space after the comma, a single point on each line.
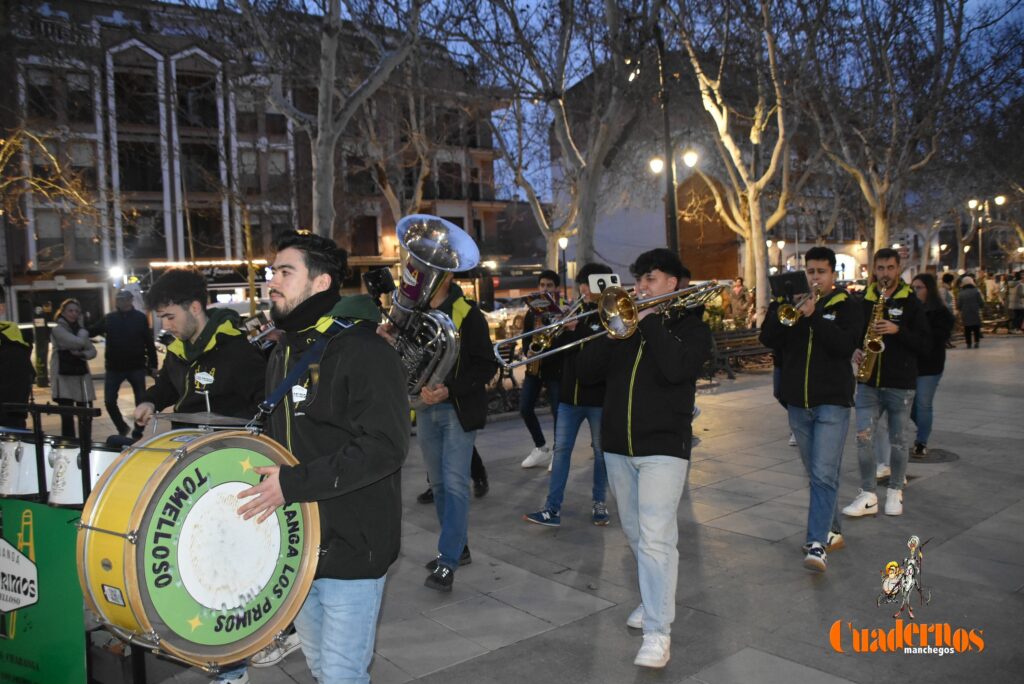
[166, 562]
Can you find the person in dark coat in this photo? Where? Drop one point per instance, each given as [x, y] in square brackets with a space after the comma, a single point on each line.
[930, 364]
[969, 303]
[129, 356]
[16, 371]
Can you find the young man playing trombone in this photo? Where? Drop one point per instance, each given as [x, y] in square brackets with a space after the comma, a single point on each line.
[817, 385]
[651, 379]
[577, 402]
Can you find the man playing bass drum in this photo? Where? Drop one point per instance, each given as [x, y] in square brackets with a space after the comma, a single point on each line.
[346, 419]
[817, 387]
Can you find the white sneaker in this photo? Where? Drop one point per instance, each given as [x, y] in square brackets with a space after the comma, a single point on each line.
[792, 439]
[894, 501]
[866, 503]
[241, 677]
[654, 652]
[636, 618]
[278, 650]
[539, 456]
[882, 470]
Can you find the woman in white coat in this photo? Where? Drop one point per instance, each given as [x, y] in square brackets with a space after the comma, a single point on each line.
[69, 367]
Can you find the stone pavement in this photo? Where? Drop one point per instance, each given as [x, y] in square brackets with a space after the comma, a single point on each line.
[539, 604]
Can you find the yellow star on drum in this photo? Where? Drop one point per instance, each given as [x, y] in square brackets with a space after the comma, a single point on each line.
[195, 623]
[246, 465]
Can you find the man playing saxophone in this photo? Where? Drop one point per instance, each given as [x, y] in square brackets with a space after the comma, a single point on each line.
[900, 322]
[818, 386]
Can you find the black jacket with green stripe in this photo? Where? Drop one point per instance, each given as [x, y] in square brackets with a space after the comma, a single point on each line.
[650, 382]
[572, 390]
[815, 353]
[896, 367]
[476, 365]
[233, 371]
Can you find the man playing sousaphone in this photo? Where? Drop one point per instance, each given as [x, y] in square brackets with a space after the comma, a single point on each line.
[345, 417]
[209, 366]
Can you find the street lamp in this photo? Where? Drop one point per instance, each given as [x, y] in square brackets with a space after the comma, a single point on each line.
[563, 242]
[780, 244]
[690, 157]
[983, 216]
[657, 164]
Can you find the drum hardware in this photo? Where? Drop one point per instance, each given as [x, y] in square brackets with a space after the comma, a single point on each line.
[131, 537]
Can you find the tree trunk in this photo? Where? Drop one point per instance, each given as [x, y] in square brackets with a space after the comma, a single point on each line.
[881, 214]
[760, 258]
[749, 264]
[323, 186]
[587, 217]
[961, 256]
[553, 253]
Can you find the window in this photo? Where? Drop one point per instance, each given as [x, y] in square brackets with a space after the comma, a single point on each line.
[144, 235]
[279, 225]
[364, 236]
[277, 173]
[42, 100]
[245, 112]
[207, 232]
[49, 237]
[42, 167]
[135, 98]
[360, 177]
[139, 166]
[200, 168]
[248, 172]
[474, 183]
[449, 180]
[82, 156]
[197, 100]
[277, 124]
[80, 97]
[87, 240]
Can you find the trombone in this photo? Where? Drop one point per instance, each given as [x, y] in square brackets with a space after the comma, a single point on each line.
[619, 312]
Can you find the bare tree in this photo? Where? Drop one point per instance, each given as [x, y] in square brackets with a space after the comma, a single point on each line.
[565, 65]
[341, 52]
[733, 49]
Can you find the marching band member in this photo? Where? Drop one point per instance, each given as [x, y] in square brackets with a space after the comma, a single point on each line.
[210, 366]
[817, 386]
[651, 381]
[346, 419]
[548, 376]
[576, 402]
[890, 389]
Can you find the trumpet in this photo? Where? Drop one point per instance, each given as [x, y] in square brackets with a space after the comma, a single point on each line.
[789, 314]
[618, 309]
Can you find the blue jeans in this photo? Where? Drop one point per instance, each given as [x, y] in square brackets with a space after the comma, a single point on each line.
[820, 433]
[112, 383]
[337, 627]
[528, 401]
[647, 490]
[447, 451]
[882, 447]
[872, 402]
[921, 411]
[570, 418]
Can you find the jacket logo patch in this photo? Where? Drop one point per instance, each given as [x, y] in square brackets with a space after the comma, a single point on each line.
[299, 393]
[896, 312]
[203, 379]
[829, 316]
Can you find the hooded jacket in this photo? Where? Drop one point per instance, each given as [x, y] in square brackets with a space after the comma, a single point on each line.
[476, 365]
[651, 380]
[347, 422]
[815, 353]
[896, 367]
[940, 324]
[222, 361]
[16, 370]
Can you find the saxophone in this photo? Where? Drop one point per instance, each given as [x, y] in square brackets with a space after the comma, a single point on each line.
[873, 343]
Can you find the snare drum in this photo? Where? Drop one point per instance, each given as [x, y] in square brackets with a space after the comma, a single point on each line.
[166, 562]
[18, 465]
[66, 481]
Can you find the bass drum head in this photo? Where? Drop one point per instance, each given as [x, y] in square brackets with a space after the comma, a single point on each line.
[215, 588]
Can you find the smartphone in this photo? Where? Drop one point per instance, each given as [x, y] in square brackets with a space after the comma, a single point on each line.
[599, 281]
[789, 285]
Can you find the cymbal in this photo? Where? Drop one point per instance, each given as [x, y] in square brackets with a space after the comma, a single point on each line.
[204, 418]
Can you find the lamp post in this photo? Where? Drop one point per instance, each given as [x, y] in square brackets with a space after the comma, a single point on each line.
[982, 213]
[563, 242]
[671, 210]
[780, 244]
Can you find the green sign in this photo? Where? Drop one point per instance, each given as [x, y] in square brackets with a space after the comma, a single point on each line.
[214, 578]
[42, 622]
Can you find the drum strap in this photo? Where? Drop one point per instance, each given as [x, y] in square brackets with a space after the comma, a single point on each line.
[301, 366]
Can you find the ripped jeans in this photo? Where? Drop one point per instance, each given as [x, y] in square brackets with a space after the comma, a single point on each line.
[871, 403]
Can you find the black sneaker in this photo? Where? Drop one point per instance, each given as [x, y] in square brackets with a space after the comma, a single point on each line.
[481, 487]
[464, 559]
[441, 579]
[920, 450]
[426, 497]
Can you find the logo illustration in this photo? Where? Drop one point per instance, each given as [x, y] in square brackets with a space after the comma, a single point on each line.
[901, 581]
[19, 579]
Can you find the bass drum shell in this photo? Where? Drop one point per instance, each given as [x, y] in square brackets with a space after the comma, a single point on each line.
[165, 561]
